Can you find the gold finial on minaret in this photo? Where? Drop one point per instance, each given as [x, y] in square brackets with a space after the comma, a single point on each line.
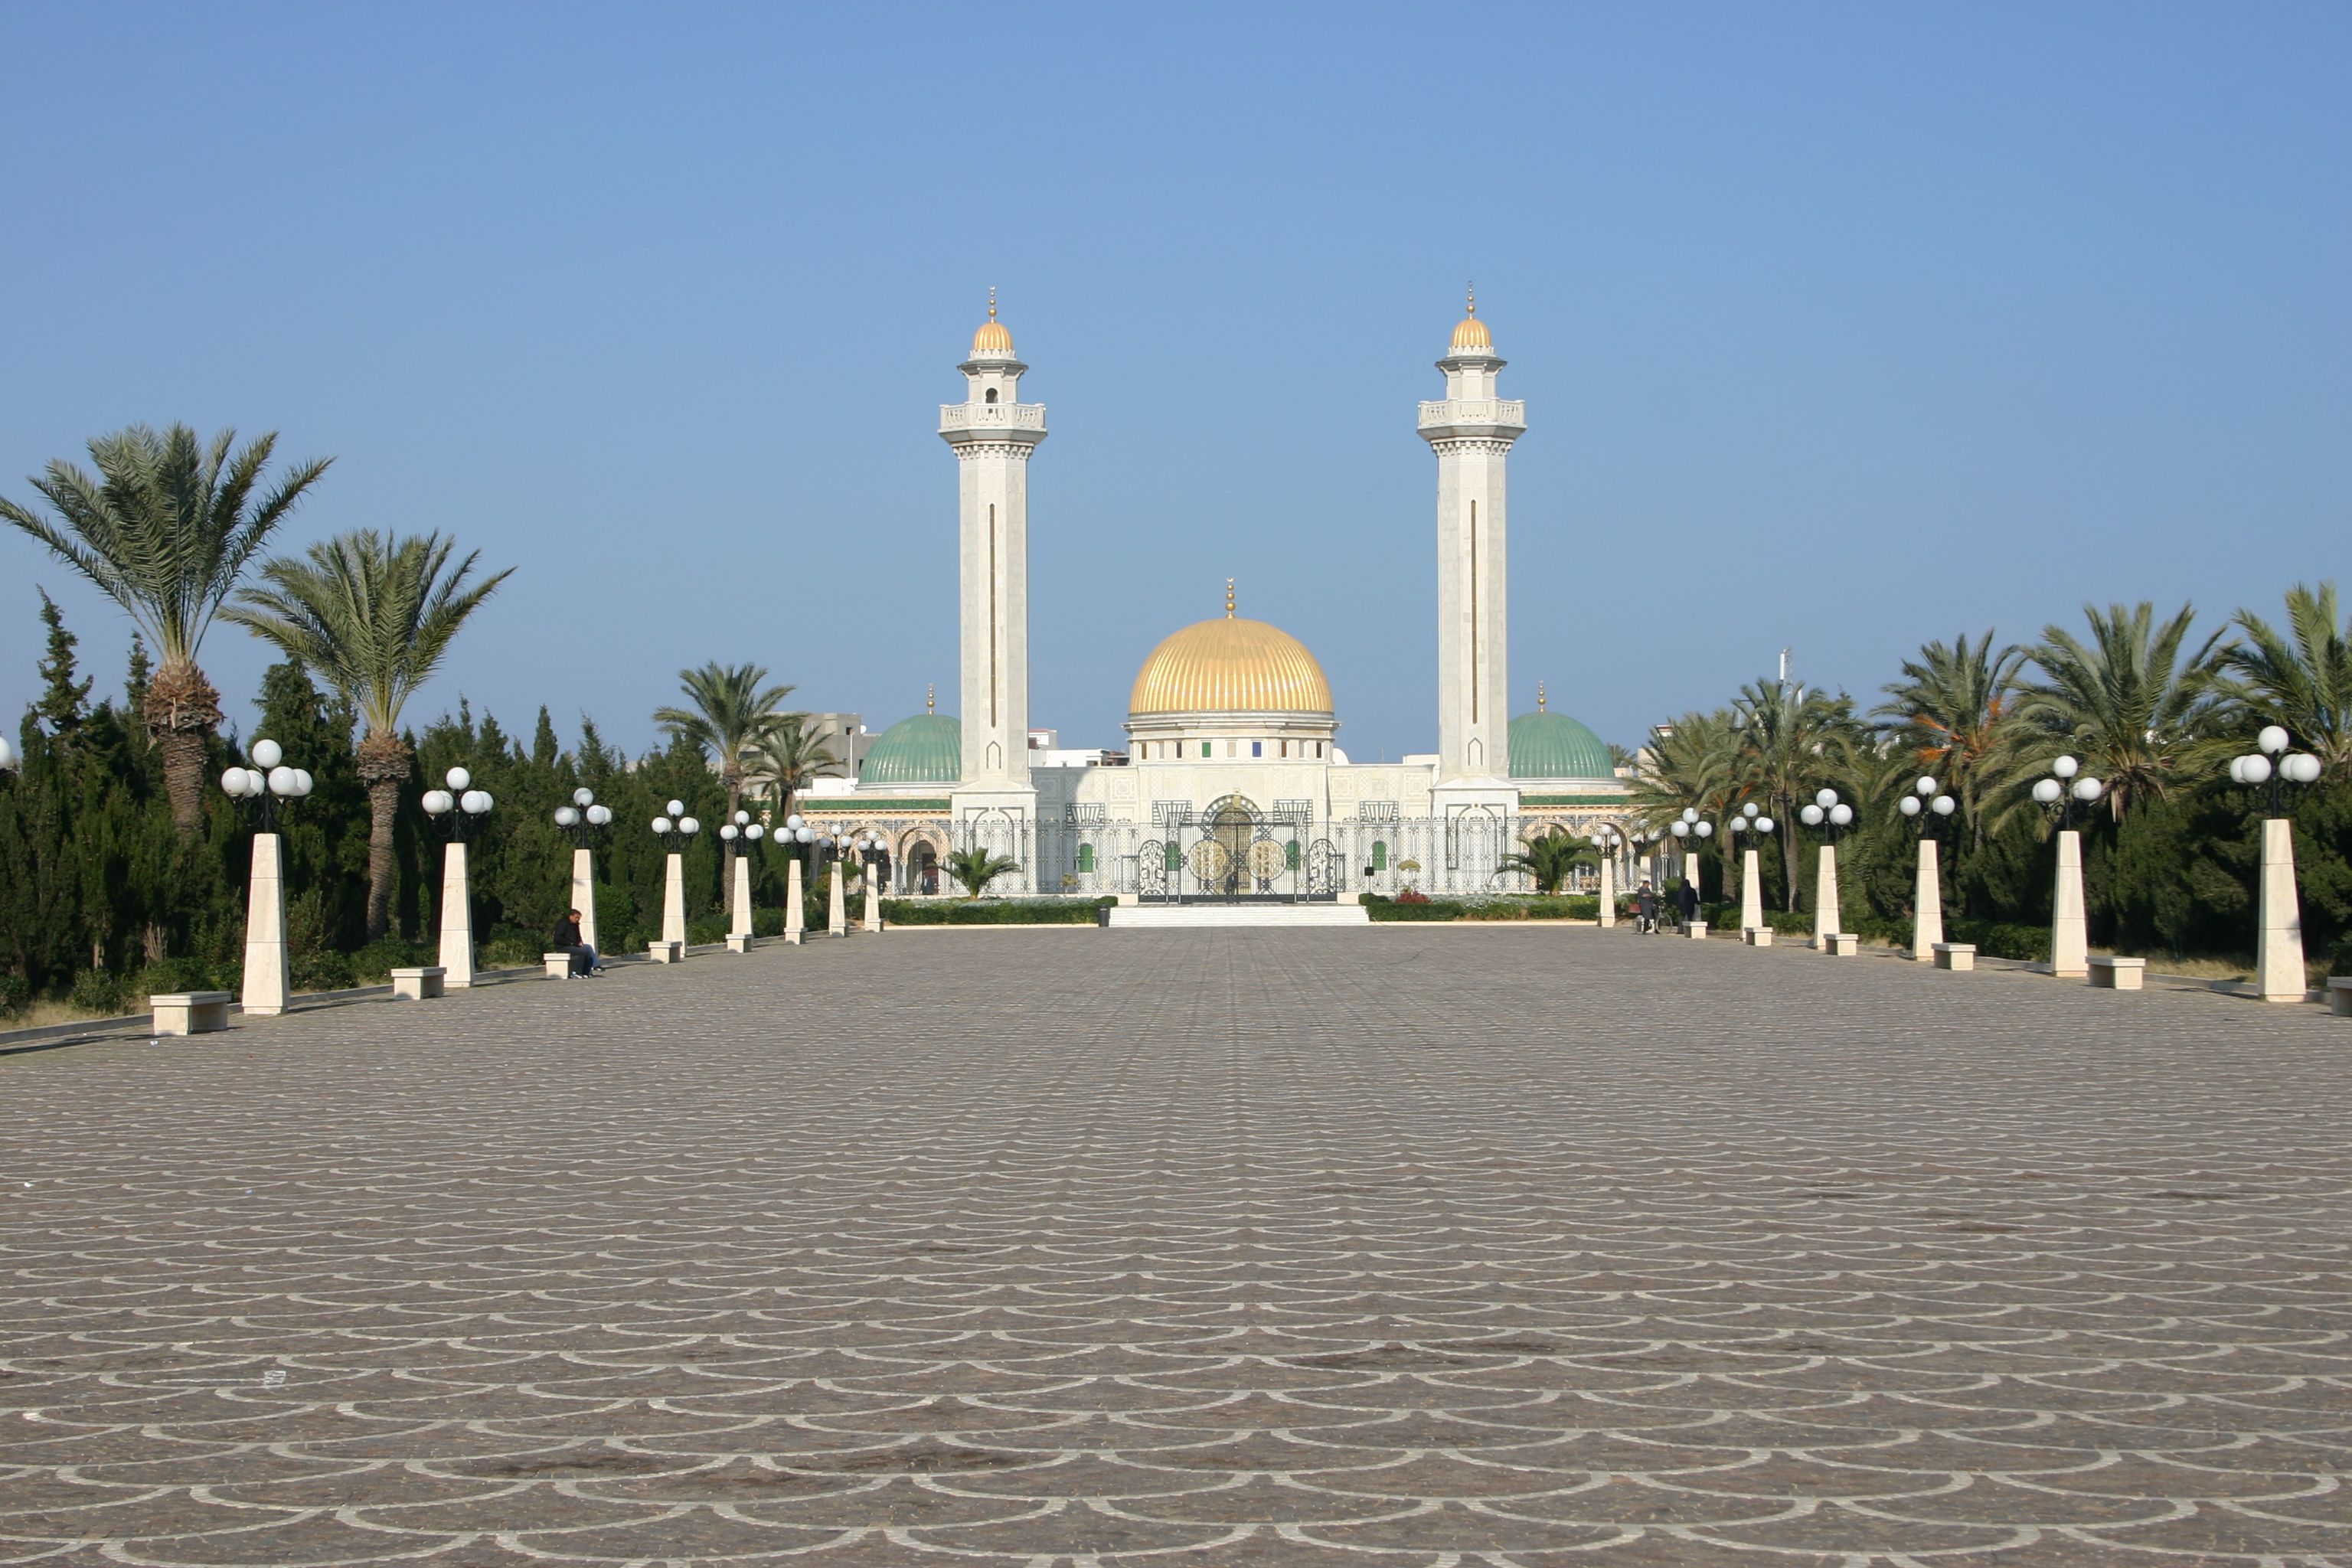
[1473, 297]
[930, 698]
[1229, 598]
[991, 301]
[1539, 695]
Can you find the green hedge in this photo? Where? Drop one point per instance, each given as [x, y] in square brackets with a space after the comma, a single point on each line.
[1575, 907]
[992, 911]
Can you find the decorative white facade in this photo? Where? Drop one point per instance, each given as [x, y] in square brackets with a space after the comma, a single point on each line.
[1236, 784]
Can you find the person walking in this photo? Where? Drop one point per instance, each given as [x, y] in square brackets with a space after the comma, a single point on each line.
[1687, 903]
[1646, 908]
[567, 939]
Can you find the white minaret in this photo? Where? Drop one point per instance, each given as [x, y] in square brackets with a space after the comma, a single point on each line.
[993, 433]
[1471, 430]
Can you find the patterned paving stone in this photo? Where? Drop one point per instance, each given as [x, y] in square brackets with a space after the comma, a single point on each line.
[1418, 1247]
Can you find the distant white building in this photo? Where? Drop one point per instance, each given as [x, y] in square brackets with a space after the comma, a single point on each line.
[1234, 784]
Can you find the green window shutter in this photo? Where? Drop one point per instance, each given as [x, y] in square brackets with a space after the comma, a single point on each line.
[1290, 855]
[1204, 748]
[1380, 855]
[1086, 857]
[1175, 858]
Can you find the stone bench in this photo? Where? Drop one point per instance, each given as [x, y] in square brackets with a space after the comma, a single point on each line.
[1695, 930]
[2339, 995]
[2117, 974]
[1840, 943]
[1956, 955]
[1756, 936]
[559, 964]
[418, 984]
[740, 944]
[666, 951]
[190, 1012]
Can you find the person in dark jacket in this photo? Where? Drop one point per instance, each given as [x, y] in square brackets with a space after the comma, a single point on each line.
[1687, 900]
[1646, 908]
[567, 939]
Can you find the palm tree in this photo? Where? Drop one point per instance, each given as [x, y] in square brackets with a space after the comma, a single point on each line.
[1693, 764]
[1791, 740]
[729, 719]
[2130, 701]
[1549, 858]
[373, 617]
[788, 758]
[2303, 679]
[977, 868]
[166, 530]
[1955, 713]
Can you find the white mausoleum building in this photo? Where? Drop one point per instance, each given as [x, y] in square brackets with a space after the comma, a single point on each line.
[1235, 785]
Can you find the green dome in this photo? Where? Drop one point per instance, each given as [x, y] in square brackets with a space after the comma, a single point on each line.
[925, 749]
[1555, 746]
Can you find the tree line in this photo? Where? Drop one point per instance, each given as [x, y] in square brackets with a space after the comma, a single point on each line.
[2172, 852]
[125, 866]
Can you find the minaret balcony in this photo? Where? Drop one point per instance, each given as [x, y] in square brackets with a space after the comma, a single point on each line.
[957, 419]
[1486, 411]
[1497, 419]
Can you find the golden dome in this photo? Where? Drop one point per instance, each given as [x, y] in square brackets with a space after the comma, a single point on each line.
[1472, 333]
[1230, 666]
[994, 337]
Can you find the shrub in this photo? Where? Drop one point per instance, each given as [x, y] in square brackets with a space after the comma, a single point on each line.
[96, 991]
[168, 975]
[705, 930]
[374, 965]
[512, 949]
[767, 922]
[992, 911]
[321, 969]
[1998, 939]
[15, 996]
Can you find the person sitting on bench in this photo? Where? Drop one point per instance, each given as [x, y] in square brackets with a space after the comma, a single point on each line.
[567, 940]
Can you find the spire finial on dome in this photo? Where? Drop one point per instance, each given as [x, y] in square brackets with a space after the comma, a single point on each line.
[1472, 306]
[1229, 598]
[930, 698]
[991, 301]
[1539, 695]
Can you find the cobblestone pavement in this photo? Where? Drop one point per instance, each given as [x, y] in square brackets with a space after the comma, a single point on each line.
[1402, 1246]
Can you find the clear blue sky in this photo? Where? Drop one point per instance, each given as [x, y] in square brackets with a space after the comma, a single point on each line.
[1839, 326]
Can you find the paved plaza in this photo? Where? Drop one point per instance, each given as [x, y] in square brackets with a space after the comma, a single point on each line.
[1404, 1247]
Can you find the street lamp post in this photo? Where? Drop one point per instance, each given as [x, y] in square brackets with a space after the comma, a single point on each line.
[461, 804]
[740, 835]
[1753, 828]
[1832, 817]
[796, 836]
[1607, 839]
[1924, 806]
[836, 909]
[677, 829]
[878, 865]
[2278, 958]
[1692, 833]
[2070, 936]
[265, 990]
[582, 820]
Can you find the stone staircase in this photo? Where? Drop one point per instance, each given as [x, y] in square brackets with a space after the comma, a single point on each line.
[1187, 916]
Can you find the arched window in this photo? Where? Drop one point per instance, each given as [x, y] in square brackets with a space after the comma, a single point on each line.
[1085, 859]
[991, 396]
[1380, 855]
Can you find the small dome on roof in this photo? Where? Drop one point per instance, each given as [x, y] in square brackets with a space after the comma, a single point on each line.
[1470, 333]
[925, 749]
[994, 338]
